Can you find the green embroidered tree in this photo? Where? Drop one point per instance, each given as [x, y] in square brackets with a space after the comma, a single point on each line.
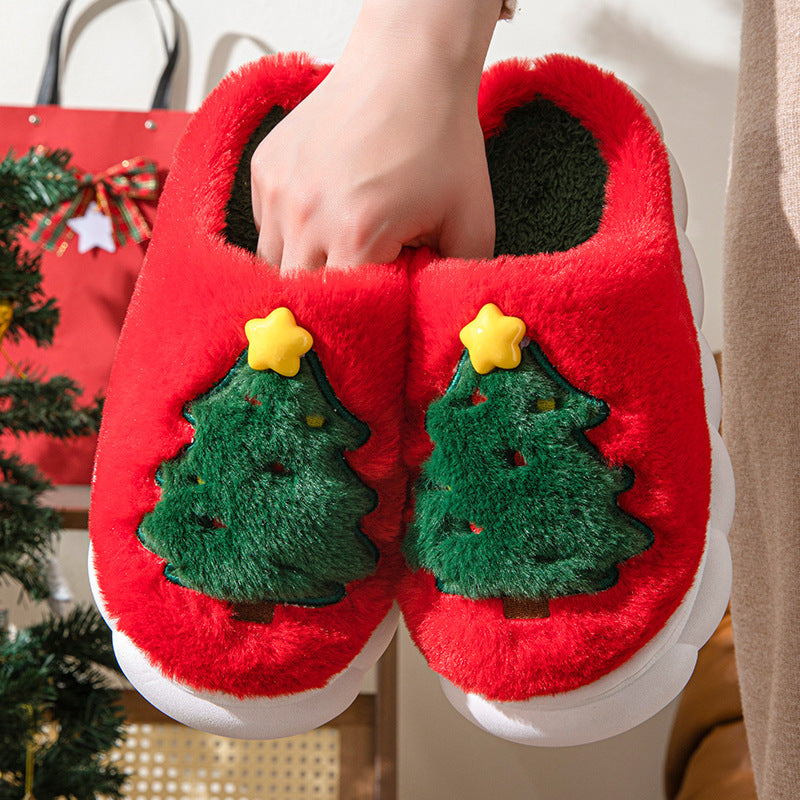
[261, 508]
[515, 502]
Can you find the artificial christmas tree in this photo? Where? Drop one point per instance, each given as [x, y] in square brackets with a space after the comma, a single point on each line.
[267, 451]
[527, 512]
[58, 720]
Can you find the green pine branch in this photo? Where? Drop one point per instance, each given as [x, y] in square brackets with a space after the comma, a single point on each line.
[21, 284]
[32, 183]
[49, 682]
[27, 529]
[29, 185]
[81, 636]
[36, 319]
[33, 406]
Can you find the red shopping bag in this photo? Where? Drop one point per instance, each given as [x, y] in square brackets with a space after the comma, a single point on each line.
[117, 153]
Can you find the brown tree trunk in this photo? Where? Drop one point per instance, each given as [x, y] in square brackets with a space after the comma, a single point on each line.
[526, 607]
[254, 612]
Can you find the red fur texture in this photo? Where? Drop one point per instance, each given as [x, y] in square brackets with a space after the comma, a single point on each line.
[613, 316]
[183, 332]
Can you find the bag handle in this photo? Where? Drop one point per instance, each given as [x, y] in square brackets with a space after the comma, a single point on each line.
[49, 90]
[219, 60]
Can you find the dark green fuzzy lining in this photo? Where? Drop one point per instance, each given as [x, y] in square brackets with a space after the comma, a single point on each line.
[262, 506]
[548, 182]
[240, 228]
[548, 521]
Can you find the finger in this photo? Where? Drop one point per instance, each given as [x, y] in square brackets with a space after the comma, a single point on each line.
[361, 238]
[469, 234]
[427, 240]
[381, 251]
[270, 245]
[302, 257]
[255, 202]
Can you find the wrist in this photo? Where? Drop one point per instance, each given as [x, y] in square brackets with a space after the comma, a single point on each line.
[441, 41]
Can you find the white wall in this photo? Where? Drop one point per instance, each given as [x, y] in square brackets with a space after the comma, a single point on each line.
[681, 55]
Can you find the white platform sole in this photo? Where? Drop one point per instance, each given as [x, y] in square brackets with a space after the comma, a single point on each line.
[251, 717]
[657, 673]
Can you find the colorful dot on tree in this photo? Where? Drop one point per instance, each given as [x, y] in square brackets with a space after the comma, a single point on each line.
[493, 340]
[478, 397]
[315, 421]
[546, 404]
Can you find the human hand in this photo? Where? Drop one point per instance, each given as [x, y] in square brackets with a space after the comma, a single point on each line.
[386, 152]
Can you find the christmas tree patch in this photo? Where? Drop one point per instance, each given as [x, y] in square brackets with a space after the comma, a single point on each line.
[262, 508]
[515, 502]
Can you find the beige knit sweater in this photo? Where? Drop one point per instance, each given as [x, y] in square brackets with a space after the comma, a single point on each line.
[761, 416]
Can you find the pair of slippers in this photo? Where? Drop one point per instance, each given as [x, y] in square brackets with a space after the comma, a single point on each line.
[520, 453]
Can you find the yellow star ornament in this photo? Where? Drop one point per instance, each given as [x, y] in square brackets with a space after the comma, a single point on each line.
[492, 340]
[277, 342]
[6, 315]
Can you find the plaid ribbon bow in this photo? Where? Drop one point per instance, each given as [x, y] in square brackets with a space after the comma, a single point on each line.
[115, 191]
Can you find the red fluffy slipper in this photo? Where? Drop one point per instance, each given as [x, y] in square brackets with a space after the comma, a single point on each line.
[248, 484]
[565, 566]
